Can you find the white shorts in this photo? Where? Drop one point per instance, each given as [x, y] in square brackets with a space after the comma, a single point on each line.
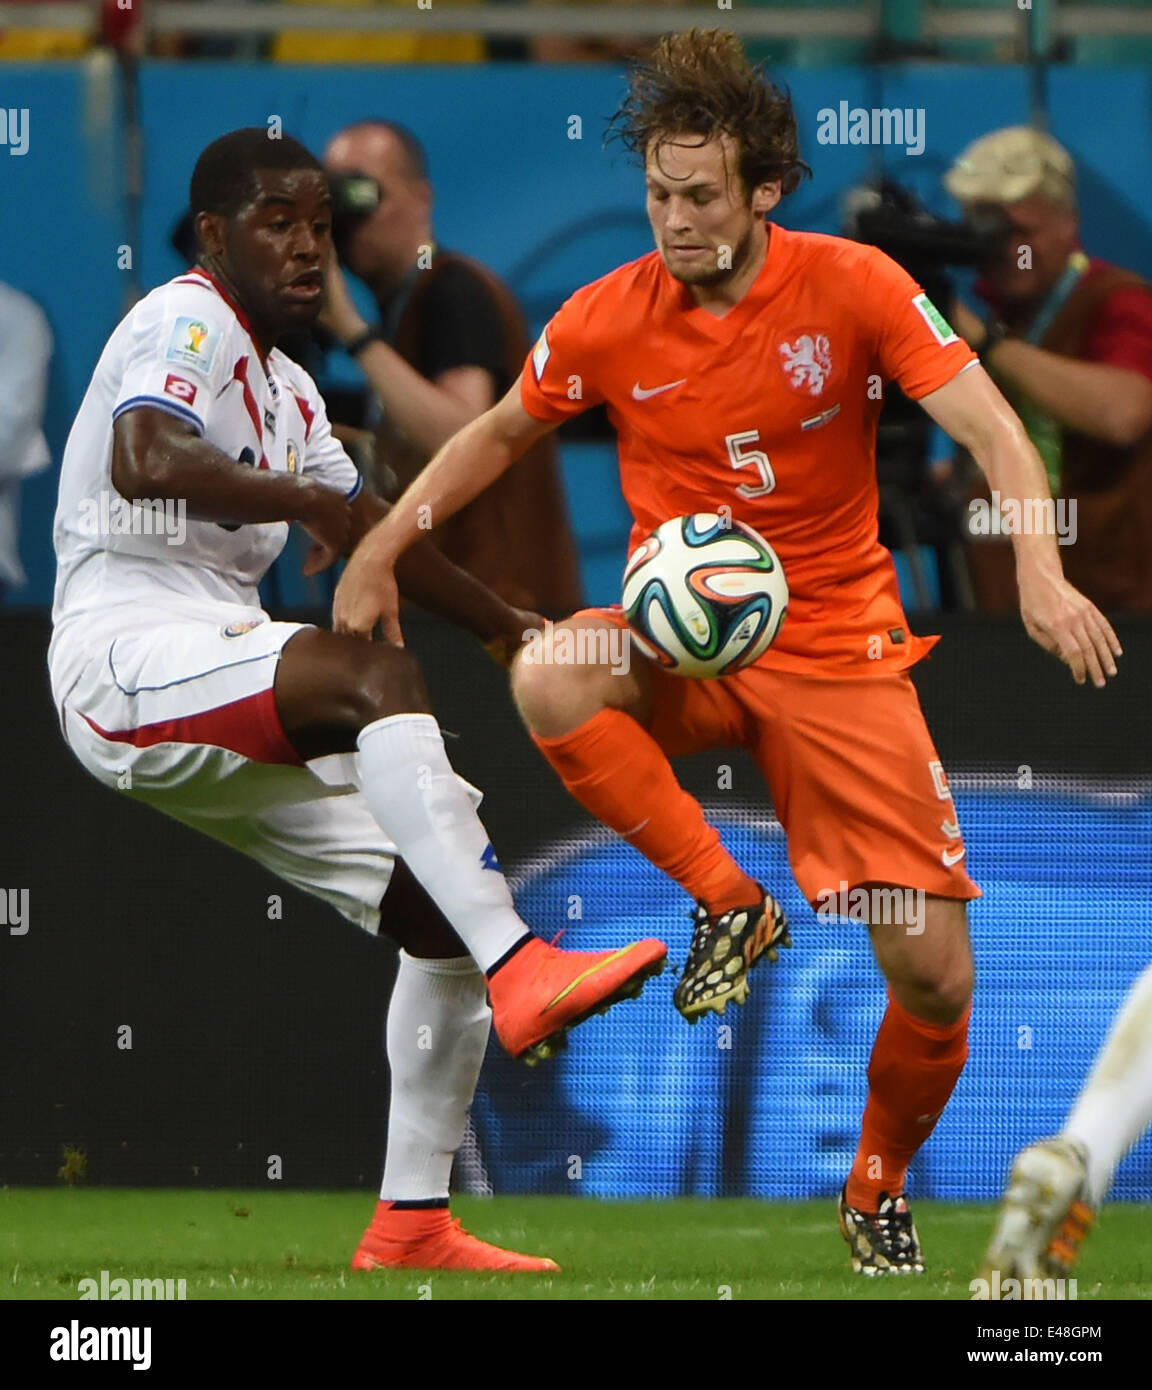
[179, 713]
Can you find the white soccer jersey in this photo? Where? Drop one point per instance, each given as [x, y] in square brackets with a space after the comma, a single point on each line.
[186, 349]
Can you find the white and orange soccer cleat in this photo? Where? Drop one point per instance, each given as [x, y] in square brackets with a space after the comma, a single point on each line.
[540, 993]
[423, 1238]
[1045, 1214]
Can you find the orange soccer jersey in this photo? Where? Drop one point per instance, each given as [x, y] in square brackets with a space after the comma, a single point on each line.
[770, 411]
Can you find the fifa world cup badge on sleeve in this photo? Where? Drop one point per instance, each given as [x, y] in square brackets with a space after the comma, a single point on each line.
[193, 343]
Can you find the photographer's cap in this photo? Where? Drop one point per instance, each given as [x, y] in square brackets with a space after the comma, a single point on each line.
[1011, 164]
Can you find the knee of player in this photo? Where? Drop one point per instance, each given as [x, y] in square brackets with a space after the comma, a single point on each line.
[938, 996]
[546, 689]
[387, 680]
[534, 685]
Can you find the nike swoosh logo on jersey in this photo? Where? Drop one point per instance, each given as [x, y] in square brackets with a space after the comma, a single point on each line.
[639, 393]
[952, 856]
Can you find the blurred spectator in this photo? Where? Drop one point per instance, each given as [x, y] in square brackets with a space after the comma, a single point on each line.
[1068, 338]
[24, 45]
[451, 342]
[218, 45]
[590, 48]
[25, 351]
[377, 46]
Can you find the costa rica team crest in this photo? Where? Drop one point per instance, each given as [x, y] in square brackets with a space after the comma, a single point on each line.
[293, 457]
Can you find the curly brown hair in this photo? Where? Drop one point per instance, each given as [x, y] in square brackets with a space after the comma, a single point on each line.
[701, 83]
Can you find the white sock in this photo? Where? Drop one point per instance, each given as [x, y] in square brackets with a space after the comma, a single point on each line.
[1115, 1106]
[438, 1024]
[422, 807]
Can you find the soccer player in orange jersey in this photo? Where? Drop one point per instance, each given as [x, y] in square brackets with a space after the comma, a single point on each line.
[741, 365]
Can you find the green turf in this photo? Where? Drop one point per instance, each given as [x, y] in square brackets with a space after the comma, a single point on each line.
[289, 1245]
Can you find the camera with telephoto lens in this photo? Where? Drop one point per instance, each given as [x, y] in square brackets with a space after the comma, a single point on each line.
[355, 196]
[890, 217]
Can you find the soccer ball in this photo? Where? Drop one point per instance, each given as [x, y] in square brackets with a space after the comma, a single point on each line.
[704, 595]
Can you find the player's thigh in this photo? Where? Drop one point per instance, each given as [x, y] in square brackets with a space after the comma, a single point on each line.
[181, 704]
[857, 784]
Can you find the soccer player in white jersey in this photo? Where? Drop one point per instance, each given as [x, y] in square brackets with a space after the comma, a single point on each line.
[1057, 1184]
[197, 443]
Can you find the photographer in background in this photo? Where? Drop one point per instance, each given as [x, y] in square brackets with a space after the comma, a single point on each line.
[25, 354]
[450, 342]
[1068, 339]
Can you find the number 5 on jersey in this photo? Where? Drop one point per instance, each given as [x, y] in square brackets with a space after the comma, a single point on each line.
[744, 457]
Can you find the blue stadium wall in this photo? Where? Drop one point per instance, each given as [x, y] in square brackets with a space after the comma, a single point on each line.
[546, 211]
[254, 1036]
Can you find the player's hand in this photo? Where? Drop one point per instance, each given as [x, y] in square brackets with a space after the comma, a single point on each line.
[1070, 626]
[520, 625]
[366, 595]
[328, 520]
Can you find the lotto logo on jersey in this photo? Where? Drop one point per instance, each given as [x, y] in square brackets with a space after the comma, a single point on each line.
[178, 387]
[193, 343]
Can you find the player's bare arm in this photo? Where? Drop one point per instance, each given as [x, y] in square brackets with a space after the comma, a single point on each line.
[157, 456]
[1055, 614]
[471, 461]
[425, 577]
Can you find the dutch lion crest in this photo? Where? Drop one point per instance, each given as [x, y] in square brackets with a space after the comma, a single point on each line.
[808, 362]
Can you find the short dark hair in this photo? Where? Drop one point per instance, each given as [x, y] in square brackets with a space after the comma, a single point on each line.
[224, 178]
[701, 83]
[415, 154]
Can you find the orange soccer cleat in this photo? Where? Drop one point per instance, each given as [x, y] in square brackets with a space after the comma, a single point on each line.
[419, 1238]
[540, 993]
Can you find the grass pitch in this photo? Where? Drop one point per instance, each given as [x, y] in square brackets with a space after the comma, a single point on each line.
[296, 1245]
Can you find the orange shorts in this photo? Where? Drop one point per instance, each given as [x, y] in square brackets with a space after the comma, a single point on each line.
[855, 777]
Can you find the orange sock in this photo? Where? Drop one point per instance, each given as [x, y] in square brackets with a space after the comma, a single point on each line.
[913, 1070]
[616, 770]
